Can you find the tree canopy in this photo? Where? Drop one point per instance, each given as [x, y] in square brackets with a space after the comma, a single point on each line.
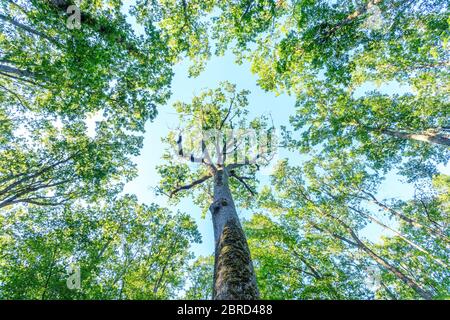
[80, 80]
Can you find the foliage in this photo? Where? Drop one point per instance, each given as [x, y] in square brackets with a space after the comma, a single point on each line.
[74, 103]
[200, 275]
[323, 211]
[103, 66]
[124, 251]
[328, 54]
[295, 264]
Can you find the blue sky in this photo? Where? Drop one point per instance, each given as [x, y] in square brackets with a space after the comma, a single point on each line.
[261, 102]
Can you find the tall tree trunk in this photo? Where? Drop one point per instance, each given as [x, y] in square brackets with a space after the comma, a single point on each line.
[234, 276]
[21, 73]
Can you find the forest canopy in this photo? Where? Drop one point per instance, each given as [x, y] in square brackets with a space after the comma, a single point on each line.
[342, 194]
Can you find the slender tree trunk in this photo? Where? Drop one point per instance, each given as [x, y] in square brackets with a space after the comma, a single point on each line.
[433, 136]
[388, 291]
[234, 276]
[381, 261]
[401, 236]
[27, 29]
[435, 232]
[378, 259]
[308, 265]
[18, 72]
[49, 275]
[159, 282]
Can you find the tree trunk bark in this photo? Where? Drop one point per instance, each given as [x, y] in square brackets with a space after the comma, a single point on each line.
[234, 276]
[17, 72]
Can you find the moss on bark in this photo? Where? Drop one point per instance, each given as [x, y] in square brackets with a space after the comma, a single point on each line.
[234, 274]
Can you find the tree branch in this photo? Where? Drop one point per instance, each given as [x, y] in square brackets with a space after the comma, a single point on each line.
[191, 185]
[28, 29]
[241, 180]
[227, 115]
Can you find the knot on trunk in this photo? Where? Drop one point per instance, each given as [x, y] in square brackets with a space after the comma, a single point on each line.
[216, 205]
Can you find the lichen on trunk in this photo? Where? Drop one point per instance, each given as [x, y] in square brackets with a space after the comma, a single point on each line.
[234, 276]
[233, 271]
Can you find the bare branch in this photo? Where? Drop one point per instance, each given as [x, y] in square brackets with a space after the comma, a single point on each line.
[205, 158]
[228, 114]
[191, 185]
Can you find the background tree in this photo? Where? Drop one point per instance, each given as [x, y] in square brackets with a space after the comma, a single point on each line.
[57, 82]
[199, 277]
[318, 195]
[46, 165]
[102, 66]
[294, 263]
[326, 54]
[215, 129]
[429, 207]
[124, 250]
